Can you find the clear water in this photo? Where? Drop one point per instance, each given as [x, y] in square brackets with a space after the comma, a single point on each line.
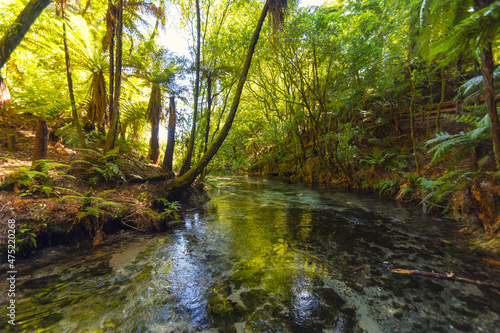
[265, 256]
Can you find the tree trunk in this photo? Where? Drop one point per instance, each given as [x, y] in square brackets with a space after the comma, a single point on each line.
[98, 101]
[155, 143]
[189, 177]
[111, 20]
[169, 151]
[488, 67]
[443, 87]
[412, 123]
[4, 93]
[74, 112]
[154, 113]
[187, 162]
[40, 148]
[20, 27]
[209, 110]
[115, 116]
[489, 88]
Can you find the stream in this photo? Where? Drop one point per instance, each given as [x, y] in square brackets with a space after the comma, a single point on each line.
[264, 256]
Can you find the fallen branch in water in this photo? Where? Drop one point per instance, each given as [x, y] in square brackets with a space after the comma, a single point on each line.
[450, 276]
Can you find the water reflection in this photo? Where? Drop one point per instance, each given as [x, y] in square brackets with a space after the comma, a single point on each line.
[265, 256]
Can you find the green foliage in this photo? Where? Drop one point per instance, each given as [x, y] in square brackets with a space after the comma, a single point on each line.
[69, 135]
[31, 182]
[209, 183]
[25, 241]
[108, 167]
[387, 186]
[435, 192]
[478, 29]
[304, 95]
[457, 146]
[475, 86]
[25, 237]
[391, 159]
[92, 208]
[168, 209]
[342, 145]
[441, 189]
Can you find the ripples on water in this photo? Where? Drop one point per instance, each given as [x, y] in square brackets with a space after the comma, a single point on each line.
[265, 256]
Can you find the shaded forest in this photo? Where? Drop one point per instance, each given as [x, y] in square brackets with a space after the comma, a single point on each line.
[103, 127]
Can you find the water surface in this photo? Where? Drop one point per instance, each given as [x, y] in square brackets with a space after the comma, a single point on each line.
[265, 256]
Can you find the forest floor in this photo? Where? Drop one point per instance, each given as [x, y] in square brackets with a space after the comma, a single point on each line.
[73, 201]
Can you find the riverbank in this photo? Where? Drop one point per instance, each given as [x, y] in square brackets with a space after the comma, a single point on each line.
[78, 195]
[452, 176]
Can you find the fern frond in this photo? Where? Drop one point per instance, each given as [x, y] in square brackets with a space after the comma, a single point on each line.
[458, 145]
[441, 136]
[69, 135]
[463, 119]
[478, 29]
[444, 187]
[475, 86]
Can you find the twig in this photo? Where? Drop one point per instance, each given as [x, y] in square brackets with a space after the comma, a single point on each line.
[1, 210]
[135, 228]
[450, 276]
[128, 216]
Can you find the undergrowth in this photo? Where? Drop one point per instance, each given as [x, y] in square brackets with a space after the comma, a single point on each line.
[37, 179]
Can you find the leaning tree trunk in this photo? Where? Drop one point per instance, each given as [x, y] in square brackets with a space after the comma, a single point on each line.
[115, 114]
[169, 152]
[154, 113]
[20, 27]
[76, 120]
[189, 177]
[40, 148]
[209, 110]
[187, 162]
[488, 67]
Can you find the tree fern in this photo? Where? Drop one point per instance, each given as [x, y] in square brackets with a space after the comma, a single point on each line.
[441, 189]
[458, 145]
[473, 31]
[437, 19]
[475, 85]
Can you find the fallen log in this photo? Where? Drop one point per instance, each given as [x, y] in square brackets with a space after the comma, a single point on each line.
[449, 276]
